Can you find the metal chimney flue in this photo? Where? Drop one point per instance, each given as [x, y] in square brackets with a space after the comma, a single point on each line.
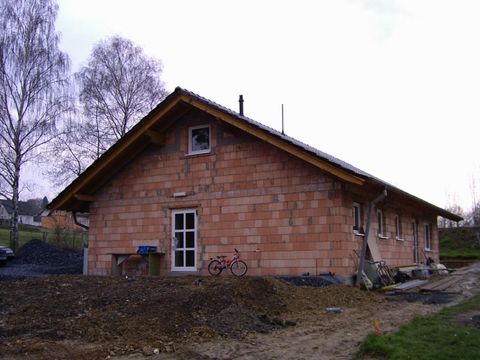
[240, 103]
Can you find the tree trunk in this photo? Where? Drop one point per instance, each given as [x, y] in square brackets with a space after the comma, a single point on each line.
[15, 199]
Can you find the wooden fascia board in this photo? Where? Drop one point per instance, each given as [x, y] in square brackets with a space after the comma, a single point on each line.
[313, 160]
[96, 170]
[84, 197]
[414, 203]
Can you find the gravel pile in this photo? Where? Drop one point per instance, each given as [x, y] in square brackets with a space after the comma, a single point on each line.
[314, 281]
[40, 253]
[36, 258]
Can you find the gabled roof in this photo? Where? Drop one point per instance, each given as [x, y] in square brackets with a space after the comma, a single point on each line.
[150, 129]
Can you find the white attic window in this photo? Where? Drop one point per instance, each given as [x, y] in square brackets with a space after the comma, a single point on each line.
[199, 140]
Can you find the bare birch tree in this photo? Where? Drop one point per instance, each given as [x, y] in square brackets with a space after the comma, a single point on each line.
[33, 83]
[117, 87]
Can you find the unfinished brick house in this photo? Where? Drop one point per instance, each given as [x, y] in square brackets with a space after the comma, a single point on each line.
[195, 180]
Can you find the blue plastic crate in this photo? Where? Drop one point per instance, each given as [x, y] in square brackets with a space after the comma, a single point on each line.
[145, 249]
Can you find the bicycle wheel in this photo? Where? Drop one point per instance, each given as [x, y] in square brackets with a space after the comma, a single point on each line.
[238, 268]
[215, 268]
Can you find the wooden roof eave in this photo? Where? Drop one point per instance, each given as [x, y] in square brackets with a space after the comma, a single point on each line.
[416, 201]
[66, 199]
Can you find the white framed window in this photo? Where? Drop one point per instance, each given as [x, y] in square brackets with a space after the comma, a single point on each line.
[184, 240]
[398, 228]
[357, 219]
[381, 224]
[428, 236]
[199, 139]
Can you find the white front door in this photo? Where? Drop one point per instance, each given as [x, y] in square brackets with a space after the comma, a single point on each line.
[184, 240]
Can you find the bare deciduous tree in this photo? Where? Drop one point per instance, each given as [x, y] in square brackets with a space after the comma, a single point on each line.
[475, 213]
[119, 84]
[33, 83]
[473, 217]
[454, 209]
[80, 143]
[117, 87]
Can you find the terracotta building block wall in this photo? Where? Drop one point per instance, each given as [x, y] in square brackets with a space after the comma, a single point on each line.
[401, 252]
[396, 251]
[285, 216]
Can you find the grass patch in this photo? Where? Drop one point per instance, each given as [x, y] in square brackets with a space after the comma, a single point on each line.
[4, 237]
[467, 254]
[436, 337]
[65, 239]
[23, 236]
[460, 243]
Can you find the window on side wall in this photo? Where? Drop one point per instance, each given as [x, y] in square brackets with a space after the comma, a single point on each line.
[398, 228]
[199, 140]
[428, 237]
[357, 220]
[381, 224]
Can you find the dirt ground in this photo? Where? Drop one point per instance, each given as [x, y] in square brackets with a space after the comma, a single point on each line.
[78, 317]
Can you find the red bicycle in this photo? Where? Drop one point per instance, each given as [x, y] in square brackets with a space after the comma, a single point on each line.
[220, 263]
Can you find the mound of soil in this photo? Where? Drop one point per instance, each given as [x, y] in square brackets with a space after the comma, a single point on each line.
[54, 259]
[117, 315]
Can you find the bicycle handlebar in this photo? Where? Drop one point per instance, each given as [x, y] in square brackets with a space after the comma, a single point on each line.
[223, 257]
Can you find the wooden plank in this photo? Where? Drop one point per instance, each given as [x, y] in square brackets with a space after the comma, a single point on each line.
[410, 284]
[374, 250]
[440, 285]
[432, 285]
[446, 285]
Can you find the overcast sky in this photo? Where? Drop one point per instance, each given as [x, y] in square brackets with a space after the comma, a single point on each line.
[393, 87]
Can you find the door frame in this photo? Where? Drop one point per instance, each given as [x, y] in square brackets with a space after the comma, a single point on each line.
[184, 268]
[415, 241]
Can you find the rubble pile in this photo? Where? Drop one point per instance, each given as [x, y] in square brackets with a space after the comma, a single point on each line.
[50, 259]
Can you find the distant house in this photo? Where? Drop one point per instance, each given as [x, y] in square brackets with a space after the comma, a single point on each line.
[64, 220]
[28, 211]
[4, 213]
[196, 180]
